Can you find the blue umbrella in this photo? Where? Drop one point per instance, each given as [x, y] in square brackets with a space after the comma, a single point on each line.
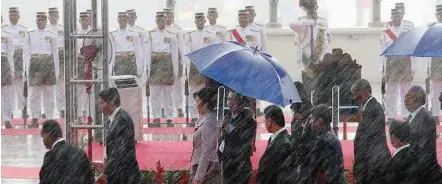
[425, 41]
[248, 71]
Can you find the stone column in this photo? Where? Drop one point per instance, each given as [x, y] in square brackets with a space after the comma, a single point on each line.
[273, 19]
[376, 18]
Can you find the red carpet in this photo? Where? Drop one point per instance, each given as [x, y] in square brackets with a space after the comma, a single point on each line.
[176, 155]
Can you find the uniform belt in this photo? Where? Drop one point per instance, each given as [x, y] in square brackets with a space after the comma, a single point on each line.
[123, 53]
[160, 53]
[18, 47]
[37, 56]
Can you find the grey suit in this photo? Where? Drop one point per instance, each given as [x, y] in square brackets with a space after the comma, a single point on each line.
[204, 159]
[423, 142]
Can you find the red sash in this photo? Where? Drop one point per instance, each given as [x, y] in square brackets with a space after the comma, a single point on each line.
[391, 34]
[238, 37]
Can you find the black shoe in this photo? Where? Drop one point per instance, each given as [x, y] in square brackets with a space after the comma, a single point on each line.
[169, 123]
[62, 114]
[8, 124]
[43, 116]
[162, 113]
[34, 124]
[180, 113]
[155, 124]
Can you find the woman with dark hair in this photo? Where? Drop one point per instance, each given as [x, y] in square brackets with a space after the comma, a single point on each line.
[204, 163]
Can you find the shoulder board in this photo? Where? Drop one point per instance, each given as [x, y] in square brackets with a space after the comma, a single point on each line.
[51, 32]
[211, 32]
[139, 27]
[254, 30]
[303, 17]
[32, 30]
[5, 25]
[113, 31]
[170, 32]
[23, 26]
[260, 25]
[176, 26]
[221, 26]
[6, 32]
[152, 30]
[407, 21]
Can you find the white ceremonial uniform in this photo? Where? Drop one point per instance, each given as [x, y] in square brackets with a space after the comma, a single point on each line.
[18, 33]
[127, 40]
[82, 97]
[394, 91]
[302, 28]
[263, 35]
[38, 42]
[196, 40]
[8, 90]
[178, 87]
[144, 37]
[59, 88]
[219, 30]
[162, 41]
[405, 23]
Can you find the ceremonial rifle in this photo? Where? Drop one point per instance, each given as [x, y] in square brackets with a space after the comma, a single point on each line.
[24, 113]
[148, 101]
[427, 84]
[186, 93]
[383, 86]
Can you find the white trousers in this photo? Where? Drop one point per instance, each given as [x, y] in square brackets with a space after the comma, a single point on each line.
[394, 97]
[60, 95]
[436, 89]
[7, 102]
[83, 101]
[161, 97]
[192, 103]
[178, 93]
[19, 99]
[42, 95]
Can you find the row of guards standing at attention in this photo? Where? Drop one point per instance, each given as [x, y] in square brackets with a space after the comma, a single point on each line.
[7, 76]
[251, 34]
[17, 32]
[398, 71]
[435, 65]
[312, 40]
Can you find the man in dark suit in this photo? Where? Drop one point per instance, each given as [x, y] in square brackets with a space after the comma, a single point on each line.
[278, 148]
[370, 145]
[63, 163]
[423, 134]
[326, 160]
[239, 131]
[121, 164]
[402, 167]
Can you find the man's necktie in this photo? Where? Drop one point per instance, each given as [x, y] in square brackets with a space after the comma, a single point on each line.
[268, 143]
[409, 118]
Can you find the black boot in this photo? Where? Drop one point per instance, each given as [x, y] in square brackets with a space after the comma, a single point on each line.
[62, 114]
[180, 113]
[43, 116]
[34, 123]
[169, 123]
[155, 124]
[8, 124]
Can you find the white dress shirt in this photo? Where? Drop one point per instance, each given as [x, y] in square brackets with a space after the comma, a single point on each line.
[18, 33]
[41, 41]
[8, 48]
[400, 148]
[365, 105]
[56, 142]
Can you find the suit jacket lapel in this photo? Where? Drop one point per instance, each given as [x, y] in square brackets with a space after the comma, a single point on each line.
[415, 122]
[115, 120]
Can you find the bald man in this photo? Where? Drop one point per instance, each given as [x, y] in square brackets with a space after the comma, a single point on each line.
[370, 144]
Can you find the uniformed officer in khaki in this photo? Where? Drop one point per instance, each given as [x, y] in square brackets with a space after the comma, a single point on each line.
[220, 30]
[128, 52]
[7, 73]
[40, 54]
[18, 33]
[178, 87]
[55, 27]
[163, 69]
[196, 40]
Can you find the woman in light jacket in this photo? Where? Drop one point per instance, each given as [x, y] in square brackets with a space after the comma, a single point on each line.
[204, 161]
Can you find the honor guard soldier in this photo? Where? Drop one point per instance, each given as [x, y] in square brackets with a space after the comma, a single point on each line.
[18, 33]
[195, 40]
[59, 29]
[143, 34]
[128, 51]
[246, 35]
[221, 31]
[178, 87]
[397, 70]
[40, 54]
[163, 69]
[82, 97]
[405, 23]
[312, 40]
[7, 74]
[260, 27]
[436, 75]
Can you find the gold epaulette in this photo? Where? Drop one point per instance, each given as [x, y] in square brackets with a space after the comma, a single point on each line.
[170, 32]
[51, 32]
[211, 32]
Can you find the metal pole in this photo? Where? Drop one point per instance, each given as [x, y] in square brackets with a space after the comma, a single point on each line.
[94, 15]
[335, 109]
[105, 31]
[67, 74]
